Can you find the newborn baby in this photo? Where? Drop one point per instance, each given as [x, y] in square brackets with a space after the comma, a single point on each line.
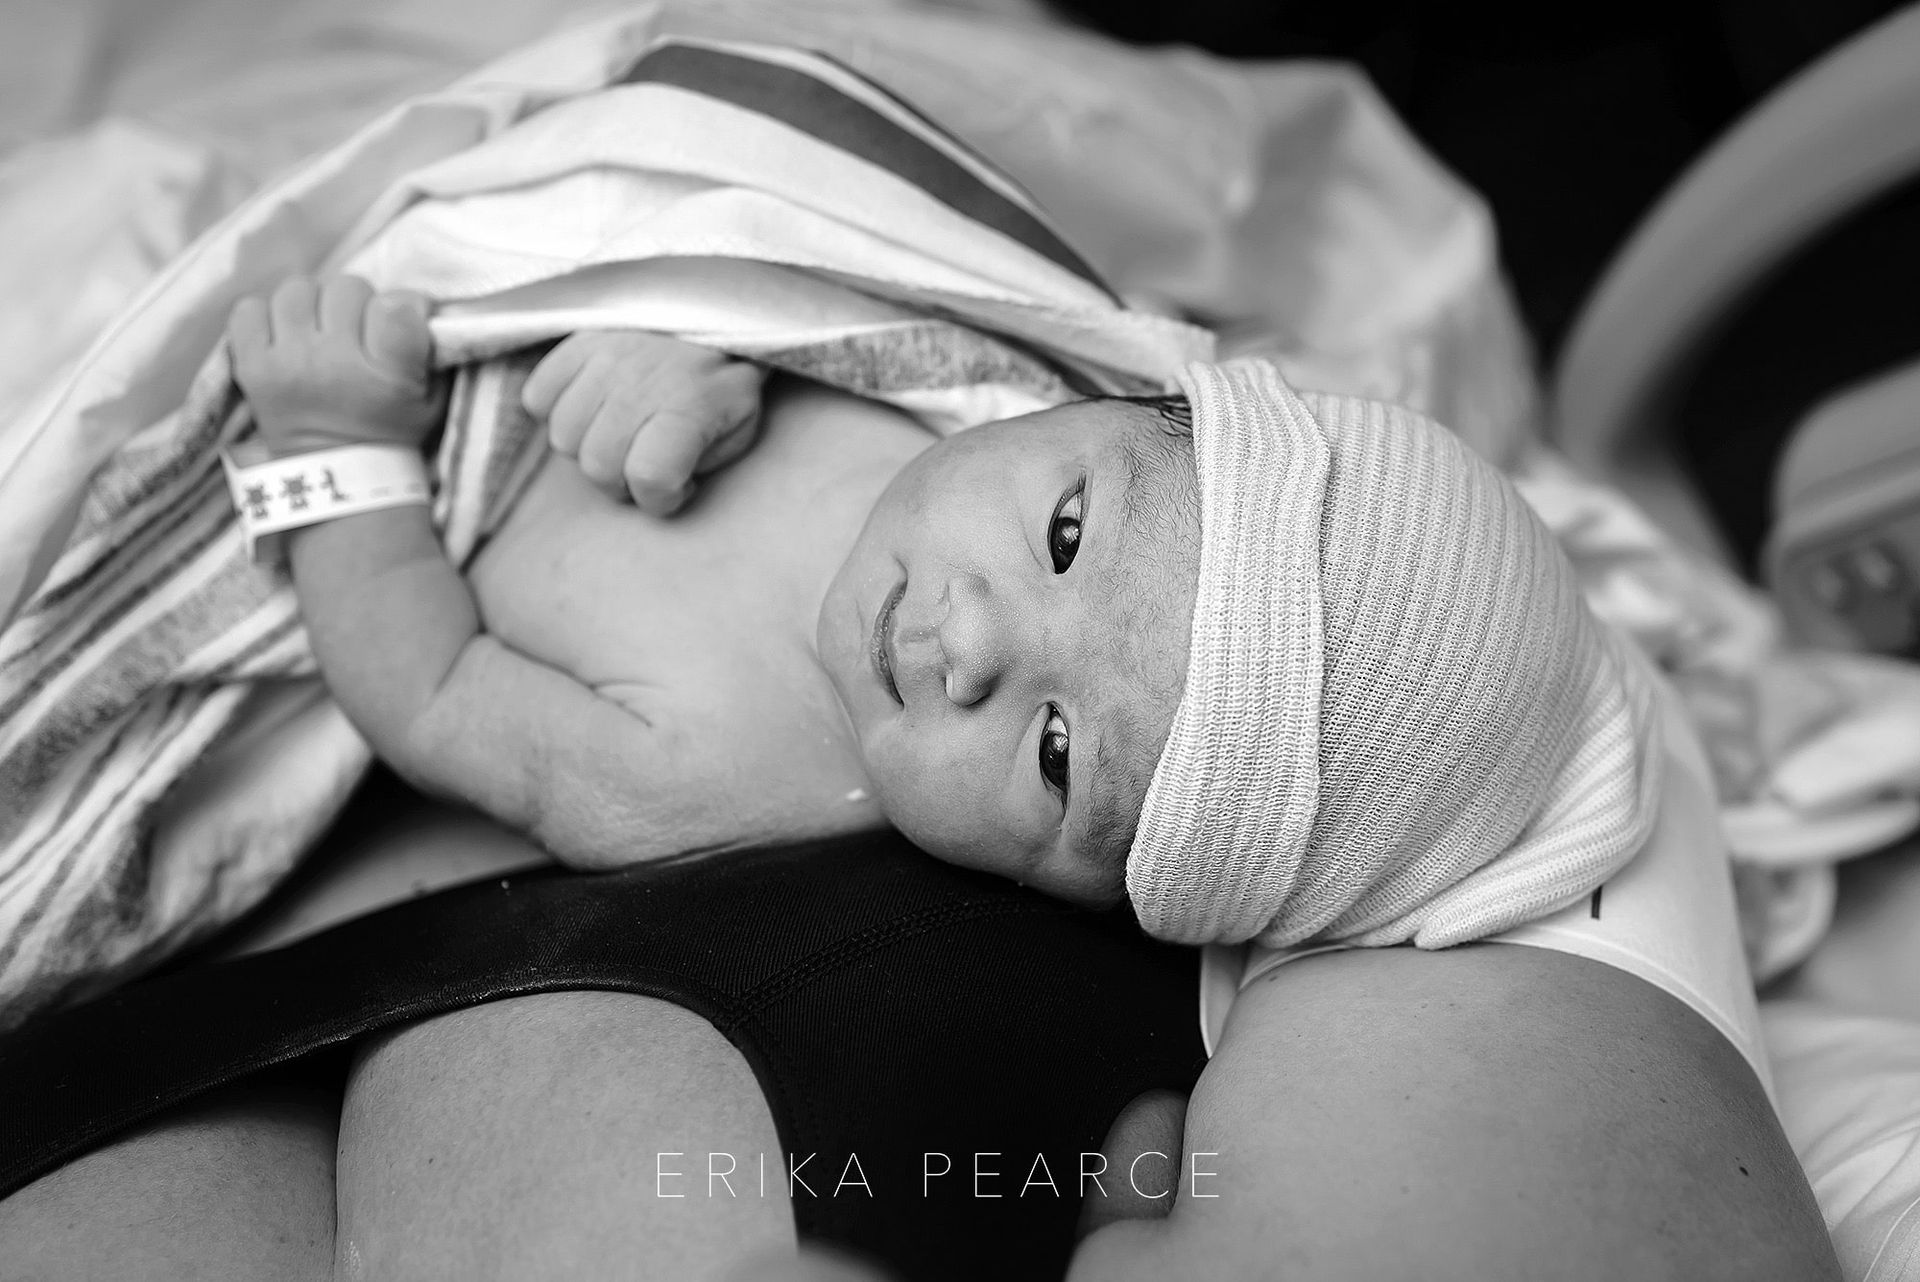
[1277, 669]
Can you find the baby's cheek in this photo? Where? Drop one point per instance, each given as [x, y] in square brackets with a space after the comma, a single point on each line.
[936, 788]
[938, 822]
[1107, 887]
[906, 808]
[891, 789]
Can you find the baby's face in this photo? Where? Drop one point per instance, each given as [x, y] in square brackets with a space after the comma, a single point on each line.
[1009, 639]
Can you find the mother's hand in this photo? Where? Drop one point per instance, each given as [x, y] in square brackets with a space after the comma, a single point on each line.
[1492, 1111]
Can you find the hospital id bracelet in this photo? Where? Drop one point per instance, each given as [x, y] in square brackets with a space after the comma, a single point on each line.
[305, 489]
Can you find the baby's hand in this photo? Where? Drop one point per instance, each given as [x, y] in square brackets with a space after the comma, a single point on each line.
[643, 414]
[327, 363]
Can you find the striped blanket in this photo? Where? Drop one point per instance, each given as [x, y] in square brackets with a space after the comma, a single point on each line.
[768, 201]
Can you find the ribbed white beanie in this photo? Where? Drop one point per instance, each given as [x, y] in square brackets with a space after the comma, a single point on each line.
[1400, 721]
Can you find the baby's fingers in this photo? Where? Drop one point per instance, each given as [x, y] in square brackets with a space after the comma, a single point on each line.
[680, 441]
[730, 445]
[552, 376]
[576, 427]
[293, 309]
[343, 305]
[394, 331]
[658, 470]
[248, 334]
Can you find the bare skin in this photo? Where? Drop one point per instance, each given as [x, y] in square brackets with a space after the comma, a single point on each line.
[237, 1185]
[1491, 1111]
[581, 1083]
[1522, 1113]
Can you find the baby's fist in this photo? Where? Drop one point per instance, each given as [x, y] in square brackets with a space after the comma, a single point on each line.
[333, 363]
[643, 414]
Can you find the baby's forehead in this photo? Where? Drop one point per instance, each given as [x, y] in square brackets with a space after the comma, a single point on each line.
[1123, 417]
[1147, 598]
[1145, 441]
[1153, 520]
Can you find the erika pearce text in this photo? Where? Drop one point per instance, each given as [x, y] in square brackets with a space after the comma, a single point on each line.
[980, 1175]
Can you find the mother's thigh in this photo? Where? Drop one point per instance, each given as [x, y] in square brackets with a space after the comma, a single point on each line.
[239, 1184]
[535, 1138]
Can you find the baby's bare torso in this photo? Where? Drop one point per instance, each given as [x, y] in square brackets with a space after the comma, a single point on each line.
[703, 622]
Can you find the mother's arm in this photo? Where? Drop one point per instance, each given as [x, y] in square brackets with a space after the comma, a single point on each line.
[1491, 1111]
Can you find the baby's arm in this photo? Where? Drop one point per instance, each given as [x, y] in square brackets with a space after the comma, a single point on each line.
[394, 626]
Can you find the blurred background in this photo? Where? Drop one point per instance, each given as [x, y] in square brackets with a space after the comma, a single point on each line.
[1571, 119]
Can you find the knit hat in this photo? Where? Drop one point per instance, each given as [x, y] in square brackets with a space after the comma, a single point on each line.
[1400, 721]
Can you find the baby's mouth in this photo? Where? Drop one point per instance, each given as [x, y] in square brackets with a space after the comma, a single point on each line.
[880, 644]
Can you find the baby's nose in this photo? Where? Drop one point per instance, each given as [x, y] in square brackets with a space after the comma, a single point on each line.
[976, 639]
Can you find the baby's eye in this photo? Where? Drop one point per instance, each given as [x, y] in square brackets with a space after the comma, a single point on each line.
[1053, 750]
[1063, 531]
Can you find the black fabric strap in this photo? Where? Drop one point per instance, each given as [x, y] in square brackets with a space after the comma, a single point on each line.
[892, 1007]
